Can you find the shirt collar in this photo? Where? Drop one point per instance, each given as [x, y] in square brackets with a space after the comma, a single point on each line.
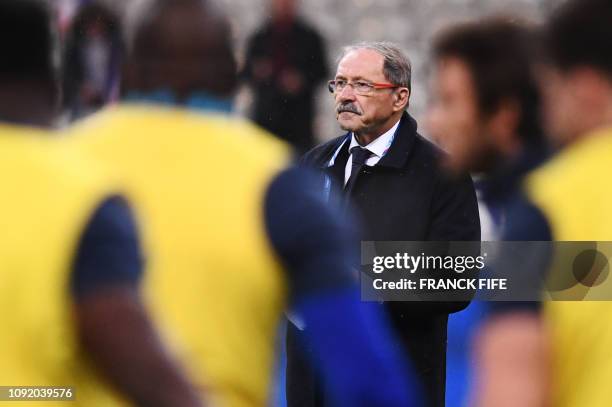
[379, 145]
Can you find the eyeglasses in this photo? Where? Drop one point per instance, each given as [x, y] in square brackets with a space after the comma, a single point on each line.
[360, 87]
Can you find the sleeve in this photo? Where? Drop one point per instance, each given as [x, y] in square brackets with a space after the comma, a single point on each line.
[525, 222]
[108, 252]
[352, 344]
[313, 240]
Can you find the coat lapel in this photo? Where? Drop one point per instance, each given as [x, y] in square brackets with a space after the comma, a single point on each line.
[403, 143]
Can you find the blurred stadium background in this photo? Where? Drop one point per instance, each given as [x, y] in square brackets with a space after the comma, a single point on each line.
[410, 23]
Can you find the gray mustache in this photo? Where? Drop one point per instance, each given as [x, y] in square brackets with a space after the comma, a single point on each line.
[349, 107]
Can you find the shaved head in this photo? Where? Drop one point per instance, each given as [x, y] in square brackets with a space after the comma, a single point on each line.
[183, 46]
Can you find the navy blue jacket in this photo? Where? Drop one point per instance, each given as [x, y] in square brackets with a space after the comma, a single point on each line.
[406, 196]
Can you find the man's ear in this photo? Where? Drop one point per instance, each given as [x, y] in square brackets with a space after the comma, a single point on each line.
[402, 97]
[502, 126]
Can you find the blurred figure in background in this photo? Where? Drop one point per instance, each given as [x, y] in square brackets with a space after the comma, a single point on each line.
[70, 260]
[569, 199]
[285, 64]
[92, 60]
[486, 114]
[233, 236]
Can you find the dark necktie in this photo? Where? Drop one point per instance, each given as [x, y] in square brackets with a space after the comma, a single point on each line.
[360, 156]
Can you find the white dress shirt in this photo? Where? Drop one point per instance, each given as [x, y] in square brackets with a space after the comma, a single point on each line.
[378, 147]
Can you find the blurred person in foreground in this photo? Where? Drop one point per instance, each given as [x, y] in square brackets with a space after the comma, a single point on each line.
[486, 114]
[568, 199]
[390, 175]
[232, 235]
[285, 65]
[70, 259]
[92, 60]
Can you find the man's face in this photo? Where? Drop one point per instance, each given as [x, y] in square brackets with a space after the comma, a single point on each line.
[454, 120]
[363, 113]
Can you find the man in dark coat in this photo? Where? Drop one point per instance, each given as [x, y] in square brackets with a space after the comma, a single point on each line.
[390, 175]
[285, 63]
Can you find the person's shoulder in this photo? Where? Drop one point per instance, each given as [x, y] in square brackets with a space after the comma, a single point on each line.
[411, 142]
[121, 114]
[565, 172]
[306, 27]
[333, 143]
[32, 152]
[321, 152]
[248, 136]
[527, 220]
[430, 157]
[426, 153]
[115, 128]
[261, 32]
[428, 149]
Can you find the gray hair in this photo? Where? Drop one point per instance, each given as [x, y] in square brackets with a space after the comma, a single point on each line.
[396, 67]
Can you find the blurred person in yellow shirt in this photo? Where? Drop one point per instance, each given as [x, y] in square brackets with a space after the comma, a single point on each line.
[569, 196]
[70, 260]
[232, 235]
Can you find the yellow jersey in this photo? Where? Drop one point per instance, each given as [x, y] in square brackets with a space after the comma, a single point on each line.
[573, 192]
[48, 197]
[213, 283]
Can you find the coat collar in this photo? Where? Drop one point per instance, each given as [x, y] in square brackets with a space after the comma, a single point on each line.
[398, 153]
[402, 145]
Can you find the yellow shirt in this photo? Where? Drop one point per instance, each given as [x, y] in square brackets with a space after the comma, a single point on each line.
[48, 196]
[198, 184]
[574, 193]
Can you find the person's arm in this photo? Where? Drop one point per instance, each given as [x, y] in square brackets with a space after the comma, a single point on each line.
[353, 347]
[512, 356]
[111, 321]
[512, 348]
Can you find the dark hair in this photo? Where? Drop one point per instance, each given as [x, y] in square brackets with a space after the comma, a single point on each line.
[28, 43]
[580, 33]
[498, 52]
